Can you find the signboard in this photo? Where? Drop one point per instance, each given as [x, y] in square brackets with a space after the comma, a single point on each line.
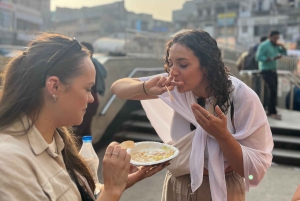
[227, 15]
[226, 22]
[6, 6]
[226, 19]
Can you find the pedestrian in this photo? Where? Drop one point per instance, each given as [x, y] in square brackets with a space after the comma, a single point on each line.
[250, 62]
[46, 91]
[247, 61]
[224, 141]
[240, 63]
[99, 88]
[267, 54]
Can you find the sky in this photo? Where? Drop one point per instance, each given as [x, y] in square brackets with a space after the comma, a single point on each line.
[160, 9]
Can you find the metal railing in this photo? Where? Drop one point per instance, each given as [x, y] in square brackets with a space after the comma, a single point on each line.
[291, 77]
[133, 72]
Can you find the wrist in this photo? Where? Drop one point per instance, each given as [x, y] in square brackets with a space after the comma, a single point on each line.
[112, 193]
[225, 138]
[144, 88]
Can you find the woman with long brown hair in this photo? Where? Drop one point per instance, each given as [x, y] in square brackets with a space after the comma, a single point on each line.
[46, 90]
[216, 121]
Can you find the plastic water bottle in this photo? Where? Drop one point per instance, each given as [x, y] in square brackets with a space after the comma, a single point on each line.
[88, 153]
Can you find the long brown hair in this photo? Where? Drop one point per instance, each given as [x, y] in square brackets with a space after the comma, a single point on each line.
[24, 82]
[205, 48]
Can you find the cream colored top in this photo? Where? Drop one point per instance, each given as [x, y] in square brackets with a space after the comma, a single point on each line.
[29, 170]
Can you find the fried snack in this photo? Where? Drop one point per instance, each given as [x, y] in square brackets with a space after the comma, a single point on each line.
[127, 144]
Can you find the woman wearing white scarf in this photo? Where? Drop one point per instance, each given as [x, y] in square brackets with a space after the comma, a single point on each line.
[229, 143]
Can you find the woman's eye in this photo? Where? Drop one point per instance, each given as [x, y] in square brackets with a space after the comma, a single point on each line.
[183, 66]
[89, 90]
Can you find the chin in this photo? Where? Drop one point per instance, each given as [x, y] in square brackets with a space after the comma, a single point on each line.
[181, 89]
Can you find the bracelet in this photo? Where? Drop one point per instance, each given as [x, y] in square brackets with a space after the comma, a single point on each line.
[144, 87]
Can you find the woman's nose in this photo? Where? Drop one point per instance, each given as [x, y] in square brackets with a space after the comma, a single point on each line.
[91, 98]
[173, 71]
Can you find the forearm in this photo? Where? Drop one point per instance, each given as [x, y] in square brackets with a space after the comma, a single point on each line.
[106, 195]
[127, 88]
[232, 151]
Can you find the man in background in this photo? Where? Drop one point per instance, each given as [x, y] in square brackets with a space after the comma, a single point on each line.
[85, 127]
[247, 59]
[267, 54]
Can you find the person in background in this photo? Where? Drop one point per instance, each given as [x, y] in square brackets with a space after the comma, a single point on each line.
[99, 88]
[267, 54]
[214, 119]
[46, 91]
[247, 61]
[250, 62]
[240, 63]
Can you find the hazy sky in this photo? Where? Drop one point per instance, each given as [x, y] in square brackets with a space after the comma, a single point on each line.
[160, 9]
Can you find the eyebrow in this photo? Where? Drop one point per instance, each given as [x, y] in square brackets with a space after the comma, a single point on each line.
[179, 59]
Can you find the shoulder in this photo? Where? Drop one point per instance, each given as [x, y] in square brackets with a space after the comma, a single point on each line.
[264, 44]
[241, 91]
[14, 147]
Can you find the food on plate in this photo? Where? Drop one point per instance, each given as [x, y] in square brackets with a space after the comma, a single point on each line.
[151, 155]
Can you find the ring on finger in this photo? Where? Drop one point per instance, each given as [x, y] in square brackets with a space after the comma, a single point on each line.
[108, 153]
[115, 154]
[221, 115]
[208, 115]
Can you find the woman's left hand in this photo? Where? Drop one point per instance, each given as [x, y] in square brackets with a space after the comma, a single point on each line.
[137, 174]
[213, 125]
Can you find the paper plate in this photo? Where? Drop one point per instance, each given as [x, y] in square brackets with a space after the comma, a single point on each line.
[151, 153]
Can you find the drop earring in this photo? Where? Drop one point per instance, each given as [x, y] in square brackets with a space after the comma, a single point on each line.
[54, 98]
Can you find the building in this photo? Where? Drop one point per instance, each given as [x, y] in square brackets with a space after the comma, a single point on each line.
[20, 20]
[42, 6]
[242, 22]
[90, 23]
[6, 22]
[284, 16]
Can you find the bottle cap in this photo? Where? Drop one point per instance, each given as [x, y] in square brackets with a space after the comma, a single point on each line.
[87, 139]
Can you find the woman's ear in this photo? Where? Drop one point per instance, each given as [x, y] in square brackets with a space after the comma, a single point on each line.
[53, 86]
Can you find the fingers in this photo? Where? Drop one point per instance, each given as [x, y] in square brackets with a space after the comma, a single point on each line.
[200, 113]
[153, 170]
[167, 81]
[110, 149]
[116, 151]
[161, 81]
[219, 112]
[173, 83]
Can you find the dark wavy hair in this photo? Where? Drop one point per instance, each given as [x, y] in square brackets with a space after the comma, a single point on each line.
[206, 50]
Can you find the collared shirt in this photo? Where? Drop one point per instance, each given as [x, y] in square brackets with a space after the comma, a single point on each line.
[29, 170]
[267, 50]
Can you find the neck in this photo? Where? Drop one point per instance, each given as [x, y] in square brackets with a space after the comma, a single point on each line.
[201, 91]
[46, 126]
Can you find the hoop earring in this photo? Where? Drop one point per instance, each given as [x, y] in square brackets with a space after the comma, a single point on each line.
[54, 98]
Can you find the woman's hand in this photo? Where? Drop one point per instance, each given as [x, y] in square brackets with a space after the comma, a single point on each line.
[214, 125]
[115, 169]
[139, 173]
[156, 86]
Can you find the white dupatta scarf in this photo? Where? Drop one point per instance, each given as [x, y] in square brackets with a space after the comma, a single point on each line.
[252, 132]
